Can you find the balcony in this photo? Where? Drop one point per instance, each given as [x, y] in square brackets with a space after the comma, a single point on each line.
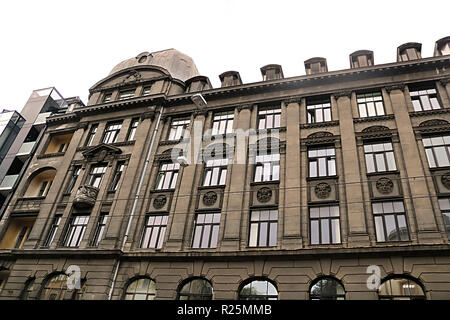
[31, 204]
[26, 148]
[42, 117]
[8, 182]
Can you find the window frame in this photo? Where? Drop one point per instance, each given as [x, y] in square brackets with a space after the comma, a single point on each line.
[445, 211]
[272, 112]
[324, 105]
[160, 233]
[92, 131]
[118, 172]
[364, 104]
[222, 170]
[53, 230]
[189, 295]
[375, 153]
[418, 103]
[270, 223]
[321, 296]
[316, 159]
[73, 179]
[223, 119]
[173, 134]
[123, 96]
[396, 221]
[329, 218]
[148, 294]
[213, 225]
[75, 228]
[263, 297]
[429, 146]
[173, 182]
[100, 229]
[91, 177]
[110, 135]
[132, 130]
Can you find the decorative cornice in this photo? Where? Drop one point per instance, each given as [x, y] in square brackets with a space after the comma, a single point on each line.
[445, 81]
[319, 124]
[397, 86]
[50, 155]
[292, 100]
[429, 112]
[245, 107]
[169, 142]
[343, 93]
[374, 119]
[82, 125]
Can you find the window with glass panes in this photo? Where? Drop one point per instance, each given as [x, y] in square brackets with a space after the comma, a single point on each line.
[258, 290]
[141, 289]
[370, 104]
[154, 231]
[269, 118]
[263, 228]
[133, 127]
[437, 150]
[267, 163]
[177, 129]
[126, 94]
[444, 205]
[107, 97]
[215, 173]
[75, 232]
[379, 157]
[206, 230]
[91, 134]
[196, 289]
[146, 90]
[117, 174]
[96, 175]
[111, 132]
[425, 99]
[318, 111]
[100, 229]
[53, 229]
[167, 176]
[390, 221]
[324, 223]
[326, 288]
[322, 161]
[222, 122]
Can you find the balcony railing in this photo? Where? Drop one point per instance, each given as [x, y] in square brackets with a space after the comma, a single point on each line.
[26, 148]
[8, 182]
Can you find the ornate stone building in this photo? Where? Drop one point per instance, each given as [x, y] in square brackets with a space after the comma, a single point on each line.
[307, 187]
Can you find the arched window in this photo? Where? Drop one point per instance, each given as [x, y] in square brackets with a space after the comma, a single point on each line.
[196, 289]
[326, 289]
[141, 289]
[399, 288]
[27, 289]
[55, 288]
[258, 290]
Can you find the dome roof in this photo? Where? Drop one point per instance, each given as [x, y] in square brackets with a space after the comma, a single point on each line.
[179, 65]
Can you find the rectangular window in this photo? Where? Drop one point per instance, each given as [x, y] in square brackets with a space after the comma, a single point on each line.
[424, 99]
[133, 127]
[167, 176]
[75, 232]
[269, 118]
[324, 225]
[73, 179]
[370, 104]
[45, 186]
[318, 111]
[437, 150]
[111, 132]
[267, 166]
[20, 238]
[177, 129]
[53, 230]
[117, 174]
[91, 134]
[126, 94]
[379, 157]
[390, 221]
[146, 90]
[263, 228]
[222, 123]
[100, 229]
[154, 231]
[96, 175]
[215, 172]
[322, 162]
[107, 97]
[444, 205]
[206, 230]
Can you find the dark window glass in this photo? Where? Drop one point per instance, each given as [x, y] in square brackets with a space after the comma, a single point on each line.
[327, 289]
[21, 237]
[263, 228]
[258, 290]
[91, 134]
[196, 289]
[318, 112]
[133, 126]
[425, 99]
[390, 221]
[379, 157]
[141, 289]
[100, 229]
[154, 231]
[73, 179]
[111, 132]
[75, 232]
[269, 118]
[96, 175]
[167, 176]
[444, 205]
[117, 174]
[215, 172]
[177, 129]
[53, 229]
[370, 104]
[400, 289]
[206, 230]
[438, 151]
[324, 223]
[322, 162]
[223, 122]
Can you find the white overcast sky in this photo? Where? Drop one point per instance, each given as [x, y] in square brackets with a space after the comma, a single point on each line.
[72, 45]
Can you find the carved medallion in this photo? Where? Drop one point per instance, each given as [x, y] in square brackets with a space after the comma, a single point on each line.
[264, 194]
[384, 185]
[322, 190]
[209, 198]
[445, 179]
[159, 201]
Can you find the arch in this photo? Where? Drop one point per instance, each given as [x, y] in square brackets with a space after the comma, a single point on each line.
[326, 288]
[258, 288]
[401, 287]
[4, 275]
[375, 128]
[35, 183]
[54, 287]
[320, 134]
[433, 122]
[140, 288]
[195, 288]
[27, 288]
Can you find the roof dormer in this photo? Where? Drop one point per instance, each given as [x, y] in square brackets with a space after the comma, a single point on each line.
[198, 83]
[230, 78]
[316, 65]
[409, 51]
[442, 47]
[361, 58]
[272, 72]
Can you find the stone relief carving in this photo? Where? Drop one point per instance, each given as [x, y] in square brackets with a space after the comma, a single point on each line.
[384, 185]
[209, 198]
[85, 197]
[264, 195]
[322, 190]
[445, 179]
[160, 201]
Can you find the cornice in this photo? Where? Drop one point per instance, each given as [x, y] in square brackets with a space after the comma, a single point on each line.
[374, 119]
[343, 93]
[397, 86]
[319, 124]
[429, 112]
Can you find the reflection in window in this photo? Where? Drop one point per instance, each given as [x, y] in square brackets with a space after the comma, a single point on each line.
[322, 162]
[263, 228]
[444, 205]
[269, 118]
[379, 157]
[206, 230]
[117, 174]
[75, 232]
[91, 134]
[390, 221]
[96, 175]
[55, 288]
[438, 151]
[126, 94]
[318, 112]
[112, 132]
[325, 227]
[197, 289]
[133, 126]
[400, 289]
[267, 161]
[53, 230]
[327, 289]
[141, 289]
[177, 129]
[73, 179]
[424, 99]
[370, 104]
[167, 176]
[100, 229]
[222, 123]
[154, 231]
[258, 290]
[215, 172]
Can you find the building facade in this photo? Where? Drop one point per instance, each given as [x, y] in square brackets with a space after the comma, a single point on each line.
[330, 185]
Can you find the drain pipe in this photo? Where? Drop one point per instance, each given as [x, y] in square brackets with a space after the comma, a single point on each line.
[136, 199]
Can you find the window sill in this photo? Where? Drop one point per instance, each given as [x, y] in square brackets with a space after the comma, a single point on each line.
[170, 142]
[319, 124]
[322, 178]
[439, 168]
[369, 174]
[212, 187]
[259, 183]
[374, 118]
[162, 190]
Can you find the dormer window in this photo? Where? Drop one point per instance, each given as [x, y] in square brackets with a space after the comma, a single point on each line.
[230, 78]
[316, 65]
[107, 97]
[272, 72]
[442, 47]
[409, 51]
[362, 58]
[126, 94]
[198, 83]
